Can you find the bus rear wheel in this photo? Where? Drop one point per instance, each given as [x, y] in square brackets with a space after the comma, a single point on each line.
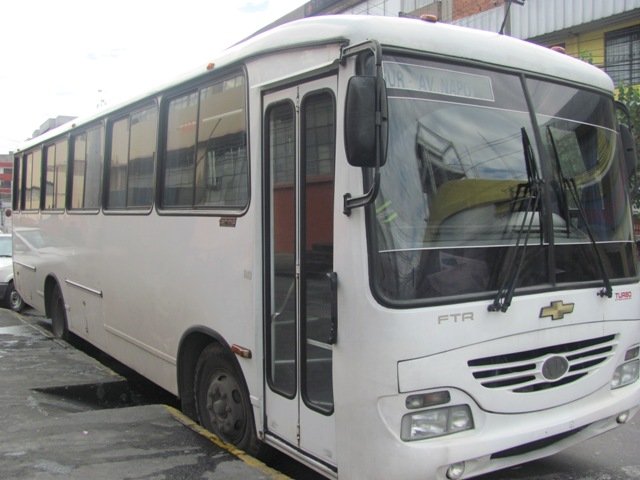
[58, 313]
[222, 400]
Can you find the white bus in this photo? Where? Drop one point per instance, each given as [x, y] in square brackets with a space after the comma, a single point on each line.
[389, 248]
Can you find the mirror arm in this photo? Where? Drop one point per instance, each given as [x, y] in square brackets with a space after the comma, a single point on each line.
[373, 46]
[357, 202]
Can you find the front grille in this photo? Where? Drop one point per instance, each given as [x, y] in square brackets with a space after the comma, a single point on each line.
[521, 372]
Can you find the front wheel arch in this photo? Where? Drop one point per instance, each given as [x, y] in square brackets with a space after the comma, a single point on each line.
[201, 352]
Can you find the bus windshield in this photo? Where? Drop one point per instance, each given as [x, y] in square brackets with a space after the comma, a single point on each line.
[469, 173]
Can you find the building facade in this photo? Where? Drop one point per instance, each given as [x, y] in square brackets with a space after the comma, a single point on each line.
[604, 33]
[6, 176]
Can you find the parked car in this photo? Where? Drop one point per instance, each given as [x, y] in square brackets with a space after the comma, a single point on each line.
[8, 294]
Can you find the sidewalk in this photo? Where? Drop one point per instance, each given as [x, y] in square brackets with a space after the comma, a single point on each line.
[59, 419]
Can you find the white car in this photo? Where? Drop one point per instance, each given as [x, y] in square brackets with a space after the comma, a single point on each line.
[8, 294]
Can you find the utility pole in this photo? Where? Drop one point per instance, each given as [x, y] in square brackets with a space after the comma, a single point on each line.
[506, 23]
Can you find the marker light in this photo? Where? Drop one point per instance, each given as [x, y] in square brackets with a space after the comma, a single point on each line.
[632, 353]
[429, 18]
[436, 422]
[423, 400]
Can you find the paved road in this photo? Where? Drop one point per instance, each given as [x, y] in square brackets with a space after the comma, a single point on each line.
[66, 416]
[614, 455]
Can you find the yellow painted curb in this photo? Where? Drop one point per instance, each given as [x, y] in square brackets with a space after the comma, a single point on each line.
[245, 457]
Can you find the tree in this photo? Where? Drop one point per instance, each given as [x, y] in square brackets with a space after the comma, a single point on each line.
[630, 96]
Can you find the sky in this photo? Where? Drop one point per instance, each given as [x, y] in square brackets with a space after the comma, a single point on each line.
[68, 57]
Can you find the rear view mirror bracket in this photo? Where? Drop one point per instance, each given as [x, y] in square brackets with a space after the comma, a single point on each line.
[365, 122]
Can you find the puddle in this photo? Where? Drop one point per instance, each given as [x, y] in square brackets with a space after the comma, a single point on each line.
[98, 396]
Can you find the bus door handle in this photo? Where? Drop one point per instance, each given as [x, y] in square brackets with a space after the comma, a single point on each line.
[332, 277]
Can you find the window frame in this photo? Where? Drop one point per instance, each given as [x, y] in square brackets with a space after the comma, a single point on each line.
[54, 208]
[16, 193]
[197, 87]
[148, 104]
[85, 131]
[26, 203]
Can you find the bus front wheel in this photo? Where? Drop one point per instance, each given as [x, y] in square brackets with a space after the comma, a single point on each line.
[58, 314]
[222, 399]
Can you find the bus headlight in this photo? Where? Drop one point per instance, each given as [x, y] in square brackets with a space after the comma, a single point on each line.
[436, 422]
[625, 374]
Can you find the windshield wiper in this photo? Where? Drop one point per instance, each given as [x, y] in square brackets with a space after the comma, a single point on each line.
[528, 195]
[569, 185]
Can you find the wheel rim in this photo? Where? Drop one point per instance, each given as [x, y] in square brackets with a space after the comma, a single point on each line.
[224, 407]
[15, 300]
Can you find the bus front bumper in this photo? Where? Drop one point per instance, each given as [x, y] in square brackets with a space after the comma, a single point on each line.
[498, 441]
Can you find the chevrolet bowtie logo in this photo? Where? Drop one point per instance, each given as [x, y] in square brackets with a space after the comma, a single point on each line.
[557, 310]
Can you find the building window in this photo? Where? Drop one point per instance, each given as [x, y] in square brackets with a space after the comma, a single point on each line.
[373, 7]
[622, 56]
[412, 5]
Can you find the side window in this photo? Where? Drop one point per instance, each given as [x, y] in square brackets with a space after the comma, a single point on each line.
[205, 158]
[55, 188]
[142, 156]
[87, 169]
[116, 197]
[180, 154]
[16, 194]
[132, 160]
[31, 178]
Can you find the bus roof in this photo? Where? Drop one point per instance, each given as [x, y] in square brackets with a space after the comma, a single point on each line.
[404, 33]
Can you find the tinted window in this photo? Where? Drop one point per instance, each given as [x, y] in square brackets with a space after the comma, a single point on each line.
[132, 160]
[205, 163]
[32, 170]
[180, 151]
[17, 183]
[56, 175]
[87, 168]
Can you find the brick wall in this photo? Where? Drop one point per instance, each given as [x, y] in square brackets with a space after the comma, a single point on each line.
[465, 8]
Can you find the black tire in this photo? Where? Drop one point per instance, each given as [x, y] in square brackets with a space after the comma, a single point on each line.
[222, 400]
[13, 299]
[58, 312]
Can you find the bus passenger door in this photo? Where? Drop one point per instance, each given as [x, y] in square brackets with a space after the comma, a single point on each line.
[299, 133]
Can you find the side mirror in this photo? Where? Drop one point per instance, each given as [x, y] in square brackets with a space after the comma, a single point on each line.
[8, 212]
[628, 149]
[363, 116]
